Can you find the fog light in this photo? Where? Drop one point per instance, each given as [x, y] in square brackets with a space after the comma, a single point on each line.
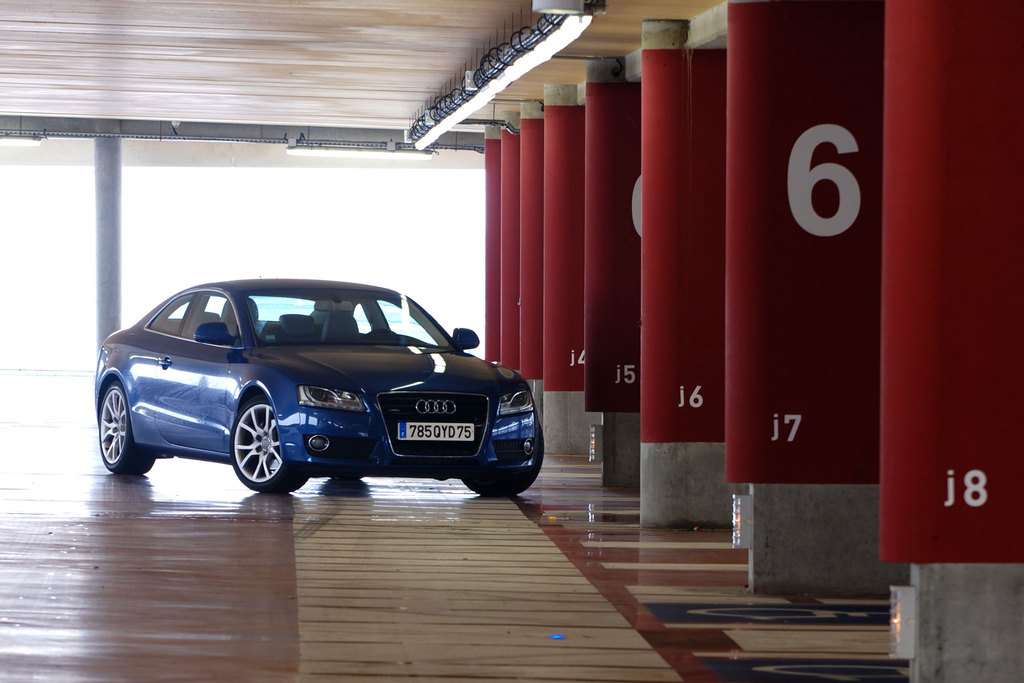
[319, 443]
[528, 447]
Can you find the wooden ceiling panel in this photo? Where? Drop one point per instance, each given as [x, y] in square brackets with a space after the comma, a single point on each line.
[338, 63]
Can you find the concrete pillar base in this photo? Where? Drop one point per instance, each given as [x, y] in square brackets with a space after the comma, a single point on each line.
[567, 423]
[819, 539]
[537, 387]
[620, 450]
[682, 485]
[969, 624]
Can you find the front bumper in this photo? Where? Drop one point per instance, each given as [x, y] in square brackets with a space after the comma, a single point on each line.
[361, 444]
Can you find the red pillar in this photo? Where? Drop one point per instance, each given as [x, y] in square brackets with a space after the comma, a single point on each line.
[510, 249]
[563, 247]
[683, 281]
[531, 221]
[492, 245]
[702, 254]
[612, 263]
[664, 149]
[803, 241]
[952, 375]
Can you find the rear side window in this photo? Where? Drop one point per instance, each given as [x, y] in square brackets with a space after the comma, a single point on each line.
[209, 307]
[183, 316]
[171, 319]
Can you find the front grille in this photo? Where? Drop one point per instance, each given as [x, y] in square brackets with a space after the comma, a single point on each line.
[400, 406]
[510, 450]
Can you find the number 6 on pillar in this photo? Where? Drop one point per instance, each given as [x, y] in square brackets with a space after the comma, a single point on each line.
[802, 177]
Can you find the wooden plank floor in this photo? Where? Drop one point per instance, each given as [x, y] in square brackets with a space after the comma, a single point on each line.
[186, 575]
[685, 592]
[176, 576]
[429, 582]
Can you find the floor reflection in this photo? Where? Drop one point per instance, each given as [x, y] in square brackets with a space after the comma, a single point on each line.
[186, 574]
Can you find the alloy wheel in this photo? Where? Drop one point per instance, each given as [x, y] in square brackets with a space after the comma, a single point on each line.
[256, 448]
[113, 426]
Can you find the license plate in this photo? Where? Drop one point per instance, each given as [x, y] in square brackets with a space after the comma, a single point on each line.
[435, 431]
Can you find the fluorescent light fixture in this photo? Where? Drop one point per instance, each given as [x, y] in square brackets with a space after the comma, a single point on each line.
[558, 6]
[355, 153]
[19, 141]
[570, 29]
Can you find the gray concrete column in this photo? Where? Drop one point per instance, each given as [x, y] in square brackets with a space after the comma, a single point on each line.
[567, 422]
[531, 109]
[819, 539]
[107, 163]
[537, 387]
[620, 458]
[683, 485]
[563, 95]
[970, 622]
[606, 70]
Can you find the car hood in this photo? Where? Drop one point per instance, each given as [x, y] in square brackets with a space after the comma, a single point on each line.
[373, 369]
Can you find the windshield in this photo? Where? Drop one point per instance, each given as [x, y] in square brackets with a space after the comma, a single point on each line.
[340, 316]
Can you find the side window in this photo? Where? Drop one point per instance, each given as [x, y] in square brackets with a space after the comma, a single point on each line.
[171, 319]
[227, 315]
[210, 308]
[280, 320]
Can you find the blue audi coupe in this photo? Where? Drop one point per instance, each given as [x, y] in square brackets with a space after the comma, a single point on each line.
[293, 379]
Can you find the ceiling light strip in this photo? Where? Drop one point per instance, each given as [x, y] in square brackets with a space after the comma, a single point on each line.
[356, 153]
[529, 48]
[19, 141]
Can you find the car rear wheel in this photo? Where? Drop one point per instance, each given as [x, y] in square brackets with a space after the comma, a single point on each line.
[256, 451]
[509, 485]
[117, 443]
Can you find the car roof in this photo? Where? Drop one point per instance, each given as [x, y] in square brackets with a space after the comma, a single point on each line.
[255, 285]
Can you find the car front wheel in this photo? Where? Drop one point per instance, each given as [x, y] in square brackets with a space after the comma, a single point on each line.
[511, 485]
[117, 443]
[256, 451]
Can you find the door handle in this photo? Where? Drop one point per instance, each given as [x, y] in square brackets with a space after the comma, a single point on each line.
[165, 362]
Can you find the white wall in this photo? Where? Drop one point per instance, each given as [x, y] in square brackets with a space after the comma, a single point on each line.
[418, 231]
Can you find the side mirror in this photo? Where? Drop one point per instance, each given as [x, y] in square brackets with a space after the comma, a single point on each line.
[465, 338]
[214, 333]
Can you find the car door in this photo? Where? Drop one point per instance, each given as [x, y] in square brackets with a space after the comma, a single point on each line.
[192, 387]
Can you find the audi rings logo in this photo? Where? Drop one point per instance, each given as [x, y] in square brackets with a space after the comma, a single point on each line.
[435, 406]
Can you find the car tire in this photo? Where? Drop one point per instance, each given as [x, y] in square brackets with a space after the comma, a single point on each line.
[511, 485]
[120, 453]
[256, 451]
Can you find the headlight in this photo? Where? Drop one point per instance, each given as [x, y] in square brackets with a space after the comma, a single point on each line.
[516, 402]
[321, 397]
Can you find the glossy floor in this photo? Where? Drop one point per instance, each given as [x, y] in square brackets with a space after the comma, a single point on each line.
[186, 575]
